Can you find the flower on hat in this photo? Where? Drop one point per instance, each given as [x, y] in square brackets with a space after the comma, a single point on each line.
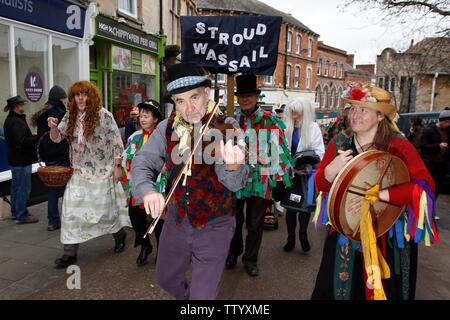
[353, 91]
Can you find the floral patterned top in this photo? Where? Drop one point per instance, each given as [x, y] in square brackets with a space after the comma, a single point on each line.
[93, 158]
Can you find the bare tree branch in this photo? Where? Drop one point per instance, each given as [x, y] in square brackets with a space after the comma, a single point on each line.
[389, 4]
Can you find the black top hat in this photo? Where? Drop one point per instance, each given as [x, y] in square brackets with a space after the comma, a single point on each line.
[183, 77]
[304, 158]
[153, 107]
[11, 102]
[246, 83]
[280, 109]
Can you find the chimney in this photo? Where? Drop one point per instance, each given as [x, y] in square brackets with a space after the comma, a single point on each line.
[350, 59]
[412, 43]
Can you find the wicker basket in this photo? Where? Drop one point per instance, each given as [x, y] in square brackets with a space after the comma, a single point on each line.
[53, 176]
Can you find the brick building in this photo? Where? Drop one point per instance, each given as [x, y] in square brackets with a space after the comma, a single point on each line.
[334, 69]
[297, 51]
[419, 78]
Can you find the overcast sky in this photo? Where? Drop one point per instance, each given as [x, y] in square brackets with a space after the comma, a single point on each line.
[360, 33]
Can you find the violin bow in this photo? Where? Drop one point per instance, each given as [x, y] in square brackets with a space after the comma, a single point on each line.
[183, 171]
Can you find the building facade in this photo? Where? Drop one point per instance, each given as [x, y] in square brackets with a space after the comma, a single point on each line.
[41, 45]
[418, 78]
[125, 55]
[335, 68]
[330, 77]
[297, 52]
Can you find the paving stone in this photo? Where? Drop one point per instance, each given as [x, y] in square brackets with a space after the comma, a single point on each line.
[15, 292]
[15, 269]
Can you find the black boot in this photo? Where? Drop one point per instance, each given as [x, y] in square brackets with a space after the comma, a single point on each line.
[120, 243]
[290, 244]
[65, 261]
[143, 255]
[304, 242]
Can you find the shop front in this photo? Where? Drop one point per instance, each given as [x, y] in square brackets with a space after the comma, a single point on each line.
[41, 45]
[124, 64]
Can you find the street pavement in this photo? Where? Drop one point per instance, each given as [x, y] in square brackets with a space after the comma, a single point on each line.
[27, 254]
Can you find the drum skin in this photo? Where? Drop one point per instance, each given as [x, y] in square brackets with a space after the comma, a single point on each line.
[359, 174]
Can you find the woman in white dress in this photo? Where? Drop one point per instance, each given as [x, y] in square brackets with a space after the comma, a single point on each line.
[302, 134]
[94, 202]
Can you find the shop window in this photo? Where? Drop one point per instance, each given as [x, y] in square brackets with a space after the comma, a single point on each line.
[121, 58]
[4, 71]
[129, 89]
[129, 7]
[64, 74]
[32, 68]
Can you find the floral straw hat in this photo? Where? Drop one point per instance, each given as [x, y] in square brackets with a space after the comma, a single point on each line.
[370, 97]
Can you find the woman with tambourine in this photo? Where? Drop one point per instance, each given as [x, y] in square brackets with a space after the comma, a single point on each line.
[367, 263]
[302, 134]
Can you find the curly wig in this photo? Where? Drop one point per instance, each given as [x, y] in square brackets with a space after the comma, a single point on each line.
[93, 106]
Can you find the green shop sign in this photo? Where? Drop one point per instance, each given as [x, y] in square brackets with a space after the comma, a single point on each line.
[117, 31]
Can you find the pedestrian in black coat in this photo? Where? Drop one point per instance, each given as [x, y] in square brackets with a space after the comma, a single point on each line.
[435, 152]
[52, 153]
[21, 155]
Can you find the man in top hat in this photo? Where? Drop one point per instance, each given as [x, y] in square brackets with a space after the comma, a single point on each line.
[21, 155]
[199, 221]
[263, 174]
[435, 151]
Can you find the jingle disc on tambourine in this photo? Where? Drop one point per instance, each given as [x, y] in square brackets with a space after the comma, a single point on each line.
[359, 174]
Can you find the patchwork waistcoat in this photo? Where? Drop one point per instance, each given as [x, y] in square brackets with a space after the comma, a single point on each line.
[203, 198]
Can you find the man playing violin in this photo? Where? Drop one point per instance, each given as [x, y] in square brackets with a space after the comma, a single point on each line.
[199, 222]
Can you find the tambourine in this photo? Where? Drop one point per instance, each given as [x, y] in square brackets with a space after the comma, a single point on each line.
[359, 174]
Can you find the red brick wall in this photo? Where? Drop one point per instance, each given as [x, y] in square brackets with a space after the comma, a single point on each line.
[366, 67]
[358, 78]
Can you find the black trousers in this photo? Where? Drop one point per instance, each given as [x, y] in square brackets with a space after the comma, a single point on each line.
[438, 173]
[291, 222]
[138, 218]
[254, 221]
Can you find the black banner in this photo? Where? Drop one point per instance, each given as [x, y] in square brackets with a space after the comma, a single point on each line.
[227, 44]
[114, 30]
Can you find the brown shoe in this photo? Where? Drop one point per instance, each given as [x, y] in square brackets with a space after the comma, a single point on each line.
[28, 220]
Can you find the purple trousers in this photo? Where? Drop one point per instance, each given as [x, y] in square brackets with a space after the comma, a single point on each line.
[206, 249]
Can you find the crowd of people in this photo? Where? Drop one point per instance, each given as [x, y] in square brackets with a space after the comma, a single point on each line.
[198, 208]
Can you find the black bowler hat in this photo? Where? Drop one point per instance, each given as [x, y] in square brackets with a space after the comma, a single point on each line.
[11, 102]
[246, 83]
[183, 77]
[153, 107]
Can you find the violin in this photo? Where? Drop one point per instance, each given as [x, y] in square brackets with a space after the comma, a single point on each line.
[188, 163]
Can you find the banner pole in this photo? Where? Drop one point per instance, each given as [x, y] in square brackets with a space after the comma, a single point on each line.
[230, 95]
